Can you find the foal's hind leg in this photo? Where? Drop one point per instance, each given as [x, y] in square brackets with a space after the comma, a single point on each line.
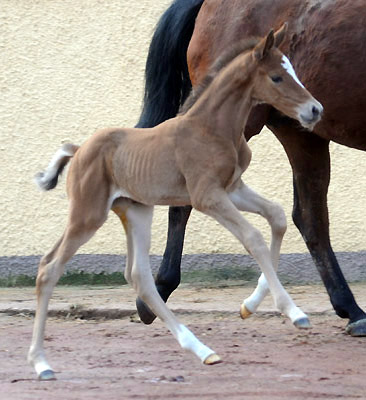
[50, 270]
[139, 218]
[245, 199]
[218, 205]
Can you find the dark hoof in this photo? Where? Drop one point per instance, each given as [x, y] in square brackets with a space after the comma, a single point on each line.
[145, 314]
[47, 375]
[302, 323]
[357, 328]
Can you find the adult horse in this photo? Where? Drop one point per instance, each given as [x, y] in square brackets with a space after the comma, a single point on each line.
[327, 46]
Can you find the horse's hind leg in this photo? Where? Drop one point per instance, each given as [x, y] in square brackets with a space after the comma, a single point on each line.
[139, 218]
[50, 270]
[168, 277]
[218, 205]
[246, 199]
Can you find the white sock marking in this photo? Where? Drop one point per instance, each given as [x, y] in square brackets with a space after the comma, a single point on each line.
[189, 342]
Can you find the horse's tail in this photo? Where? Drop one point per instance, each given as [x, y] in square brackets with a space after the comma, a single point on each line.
[47, 179]
[167, 82]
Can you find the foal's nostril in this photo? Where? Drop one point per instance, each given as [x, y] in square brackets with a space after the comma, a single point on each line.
[316, 111]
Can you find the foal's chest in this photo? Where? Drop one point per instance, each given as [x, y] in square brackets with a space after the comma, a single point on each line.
[243, 161]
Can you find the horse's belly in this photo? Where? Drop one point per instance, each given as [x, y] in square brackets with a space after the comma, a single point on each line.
[167, 190]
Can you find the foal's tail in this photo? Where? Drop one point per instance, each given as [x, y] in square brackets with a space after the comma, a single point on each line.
[47, 179]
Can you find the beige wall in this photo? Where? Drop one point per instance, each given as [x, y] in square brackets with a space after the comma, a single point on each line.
[69, 67]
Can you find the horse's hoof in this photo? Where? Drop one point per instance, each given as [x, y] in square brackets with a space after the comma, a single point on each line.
[47, 375]
[357, 328]
[145, 314]
[302, 323]
[244, 312]
[212, 359]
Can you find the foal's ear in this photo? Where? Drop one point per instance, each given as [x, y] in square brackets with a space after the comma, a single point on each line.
[280, 35]
[264, 46]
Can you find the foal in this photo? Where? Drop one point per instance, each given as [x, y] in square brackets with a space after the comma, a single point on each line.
[196, 158]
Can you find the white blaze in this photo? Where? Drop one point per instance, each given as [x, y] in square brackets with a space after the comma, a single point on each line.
[290, 69]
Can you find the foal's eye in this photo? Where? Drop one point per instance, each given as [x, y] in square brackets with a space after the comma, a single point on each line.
[276, 79]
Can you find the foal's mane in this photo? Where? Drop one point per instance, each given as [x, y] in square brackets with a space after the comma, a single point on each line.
[221, 62]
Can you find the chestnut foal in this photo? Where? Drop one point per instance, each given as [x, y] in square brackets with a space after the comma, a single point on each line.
[196, 158]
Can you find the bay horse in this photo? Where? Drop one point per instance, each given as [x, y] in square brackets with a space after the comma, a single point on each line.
[326, 43]
[197, 159]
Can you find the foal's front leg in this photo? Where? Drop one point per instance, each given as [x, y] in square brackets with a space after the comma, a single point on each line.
[139, 218]
[168, 277]
[218, 205]
[245, 199]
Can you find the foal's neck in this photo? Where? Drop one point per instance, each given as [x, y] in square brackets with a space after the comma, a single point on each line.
[224, 107]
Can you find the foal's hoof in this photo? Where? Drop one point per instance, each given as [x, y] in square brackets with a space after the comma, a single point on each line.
[357, 328]
[145, 314]
[47, 375]
[302, 323]
[244, 312]
[212, 359]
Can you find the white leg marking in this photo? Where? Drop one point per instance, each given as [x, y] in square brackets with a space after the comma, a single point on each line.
[255, 299]
[188, 341]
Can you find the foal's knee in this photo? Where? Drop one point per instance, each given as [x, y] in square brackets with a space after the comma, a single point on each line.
[277, 219]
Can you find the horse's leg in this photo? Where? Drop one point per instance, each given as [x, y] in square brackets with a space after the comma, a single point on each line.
[139, 218]
[168, 277]
[120, 211]
[310, 161]
[80, 229]
[220, 207]
[51, 268]
[245, 199]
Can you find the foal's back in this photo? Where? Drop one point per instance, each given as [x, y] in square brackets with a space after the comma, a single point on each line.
[139, 164]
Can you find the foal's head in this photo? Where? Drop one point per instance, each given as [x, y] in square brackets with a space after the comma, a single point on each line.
[276, 83]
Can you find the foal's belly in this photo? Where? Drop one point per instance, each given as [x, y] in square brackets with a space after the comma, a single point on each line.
[154, 194]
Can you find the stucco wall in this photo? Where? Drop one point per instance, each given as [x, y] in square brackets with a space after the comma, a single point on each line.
[69, 67]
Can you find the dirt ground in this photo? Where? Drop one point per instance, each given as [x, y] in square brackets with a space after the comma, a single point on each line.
[265, 357]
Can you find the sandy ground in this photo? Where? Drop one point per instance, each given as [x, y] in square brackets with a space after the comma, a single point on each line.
[100, 350]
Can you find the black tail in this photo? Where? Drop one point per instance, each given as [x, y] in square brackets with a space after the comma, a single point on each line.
[167, 82]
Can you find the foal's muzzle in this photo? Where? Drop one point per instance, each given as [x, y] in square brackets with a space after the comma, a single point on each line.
[310, 114]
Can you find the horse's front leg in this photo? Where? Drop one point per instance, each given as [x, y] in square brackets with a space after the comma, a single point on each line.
[246, 199]
[310, 161]
[139, 218]
[168, 277]
[217, 204]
